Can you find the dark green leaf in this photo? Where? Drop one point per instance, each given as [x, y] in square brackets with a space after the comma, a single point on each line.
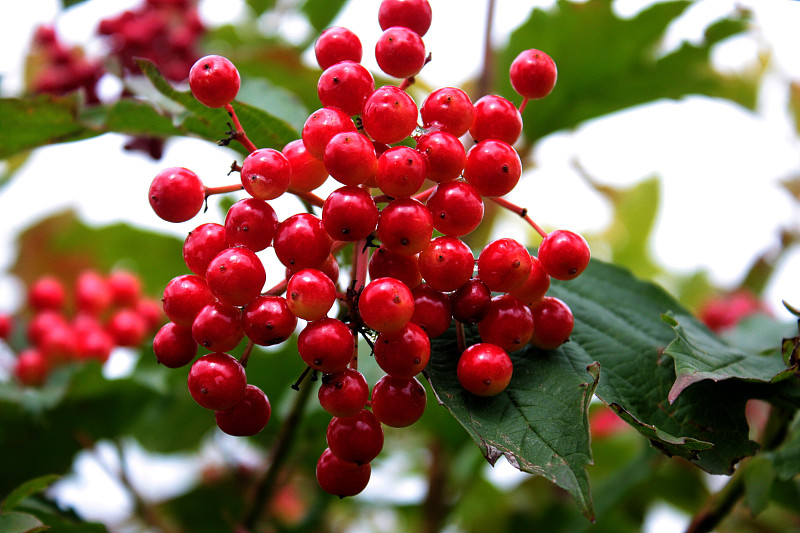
[20, 523]
[320, 13]
[539, 423]
[786, 458]
[261, 6]
[699, 355]
[25, 490]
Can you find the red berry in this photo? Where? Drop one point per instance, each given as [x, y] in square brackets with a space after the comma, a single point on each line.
[174, 346]
[217, 381]
[217, 327]
[47, 292]
[508, 324]
[398, 402]
[493, 167]
[31, 368]
[321, 126]
[236, 276]
[125, 287]
[535, 287]
[404, 353]
[444, 154]
[357, 438]
[6, 325]
[553, 323]
[345, 85]
[564, 254]
[400, 52]
[496, 118]
[326, 345]
[341, 478]
[308, 172]
[248, 416]
[456, 207]
[337, 44]
[504, 264]
[301, 242]
[92, 293]
[184, 297]
[310, 294]
[405, 226]
[484, 369]
[250, 222]
[176, 194]
[349, 213]
[413, 14]
[471, 302]
[214, 81]
[267, 320]
[446, 263]
[343, 393]
[385, 263]
[127, 327]
[533, 74]
[401, 171]
[202, 244]
[447, 109]
[431, 310]
[386, 305]
[390, 115]
[266, 174]
[350, 158]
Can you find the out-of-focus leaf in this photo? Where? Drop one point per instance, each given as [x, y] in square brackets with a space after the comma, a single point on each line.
[71, 3]
[320, 13]
[758, 479]
[20, 523]
[606, 63]
[12, 164]
[261, 6]
[25, 490]
[786, 458]
[700, 355]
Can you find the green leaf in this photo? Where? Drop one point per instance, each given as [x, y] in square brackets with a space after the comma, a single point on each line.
[539, 423]
[25, 490]
[759, 477]
[699, 355]
[320, 13]
[261, 6]
[20, 523]
[786, 458]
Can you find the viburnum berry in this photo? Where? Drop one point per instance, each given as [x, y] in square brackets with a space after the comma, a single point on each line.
[533, 74]
[446, 263]
[214, 81]
[47, 292]
[349, 213]
[343, 393]
[385, 263]
[310, 294]
[31, 368]
[405, 226]
[357, 438]
[431, 310]
[564, 254]
[41, 322]
[554, 321]
[202, 244]
[345, 85]
[401, 171]
[447, 109]
[390, 115]
[250, 222]
[94, 343]
[339, 477]
[267, 320]
[404, 353]
[218, 327]
[236, 276]
[398, 402]
[493, 167]
[386, 304]
[509, 323]
[176, 194]
[320, 127]
[125, 288]
[337, 44]
[444, 153]
[301, 242]
[350, 158]
[217, 381]
[326, 345]
[184, 297]
[456, 208]
[247, 417]
[504, 264]
[308, 172]
[174, 346]
[92, 293]
[266, 174]
[496, 118]
[536, 286]
[413, 14]
[484, 369]
[126, 327]
[400, 52]
[6, 325]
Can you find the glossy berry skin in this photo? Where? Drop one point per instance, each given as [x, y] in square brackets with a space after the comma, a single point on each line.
[398, 402]
[564, 254]
[401, 171]
[251, 223]
[320, 127]
[47, 292]
[535, 286]
[217, 327]
[202, 244]
[444, 154]
[214, 81]
[267, 320]
[301, 242]
[337, 44]
[456, 207]
[447, 109]
[176, 194]
[349, 214]
[533, 74]
[266, 174]
[386, 305]
[341, 478]
[446, 263]
[385, 263]
[508, 324]
[343, 393]
[184, 297]
[390, 115]
[308, 172]
[400, 52]
[345, 85]
[326, 345]
[431, 310]
[493, 167]
[413, 14]
[236, 276]
[405, 226]
[350, 158]
[504, 264]
[248, 417]
[174, 346]
[496, 118]
[484, 369]
[217, 381]
[404, 353]
[554, 323]
[310, 294]
[357, 438]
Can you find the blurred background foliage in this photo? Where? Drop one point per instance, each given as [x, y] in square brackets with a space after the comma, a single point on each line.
[606, 63]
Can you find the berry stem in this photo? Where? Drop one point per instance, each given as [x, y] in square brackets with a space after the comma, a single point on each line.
[278, 289]
[521, 211]
[309, 197]
[407, 82]
[239, 133]
[246, 354]
[523, 104]
[424, 195]
[224, 189]
[460, 337]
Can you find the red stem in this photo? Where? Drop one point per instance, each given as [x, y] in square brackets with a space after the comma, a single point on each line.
[223, 189]
[424, 195]
[240, 135]
[523, 104]
[522, 212]
[309, 197]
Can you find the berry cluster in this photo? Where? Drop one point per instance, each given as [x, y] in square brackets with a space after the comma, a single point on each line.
[411, 275]
[104, 312]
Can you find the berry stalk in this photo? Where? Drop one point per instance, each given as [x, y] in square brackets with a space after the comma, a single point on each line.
[521, 211]
[238, 133]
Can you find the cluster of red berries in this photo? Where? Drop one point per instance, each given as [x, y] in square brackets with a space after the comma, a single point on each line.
[407, 285]
[103, 313]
